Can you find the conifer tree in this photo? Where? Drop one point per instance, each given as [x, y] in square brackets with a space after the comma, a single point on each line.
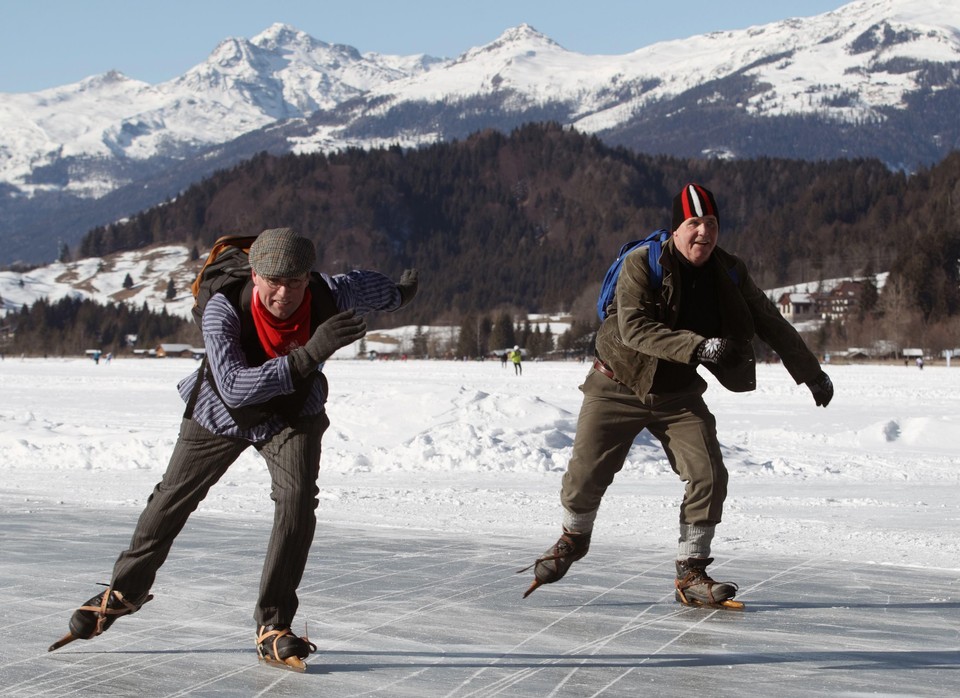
[467, 341]
[502, 335]
[419, 342]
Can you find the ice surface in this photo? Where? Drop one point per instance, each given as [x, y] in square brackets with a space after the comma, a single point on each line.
[397, 614]
[439, 481]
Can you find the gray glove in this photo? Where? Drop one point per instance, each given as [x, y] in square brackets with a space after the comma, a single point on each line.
[338, 331]
[409, 281]
[822, 389]
[717, 350]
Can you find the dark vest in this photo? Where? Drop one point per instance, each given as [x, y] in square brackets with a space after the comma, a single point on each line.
[322, 307]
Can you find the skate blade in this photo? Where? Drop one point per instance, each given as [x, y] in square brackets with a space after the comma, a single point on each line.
[727, 603]
[289, 664]
[533, 587]
[730, 603]
[65, 640]
[693, 603]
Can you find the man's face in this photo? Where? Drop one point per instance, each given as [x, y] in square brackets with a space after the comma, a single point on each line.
[281, 297]
[696, 238]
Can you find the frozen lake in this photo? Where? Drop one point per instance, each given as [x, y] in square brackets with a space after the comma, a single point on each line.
[439, 481]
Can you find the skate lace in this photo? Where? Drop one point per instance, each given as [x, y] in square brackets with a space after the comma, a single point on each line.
[112, 603]
[563, 547]
[277, 634]
[696, 576]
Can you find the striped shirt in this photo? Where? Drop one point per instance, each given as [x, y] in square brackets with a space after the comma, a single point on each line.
[241, 384]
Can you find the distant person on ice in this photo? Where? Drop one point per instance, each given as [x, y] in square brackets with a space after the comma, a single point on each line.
[516, 357]
[262, 387]
[707, 311]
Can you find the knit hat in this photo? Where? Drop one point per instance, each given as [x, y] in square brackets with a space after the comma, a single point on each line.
[282, 253]
[692, 202]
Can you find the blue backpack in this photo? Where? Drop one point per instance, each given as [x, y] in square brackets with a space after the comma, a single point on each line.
[608, 289]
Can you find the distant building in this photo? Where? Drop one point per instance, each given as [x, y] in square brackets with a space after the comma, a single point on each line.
[843, 300]
[857, 354]
[797, 307]
[181, 351]
[836, 304]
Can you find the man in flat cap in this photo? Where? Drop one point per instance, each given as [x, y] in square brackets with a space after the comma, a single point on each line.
[705, 310]
[266, 337]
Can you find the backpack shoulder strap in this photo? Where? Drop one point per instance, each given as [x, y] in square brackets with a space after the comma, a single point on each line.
[655, 242]
[323, 302]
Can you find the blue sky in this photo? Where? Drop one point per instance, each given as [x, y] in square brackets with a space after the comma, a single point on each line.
[45, 43]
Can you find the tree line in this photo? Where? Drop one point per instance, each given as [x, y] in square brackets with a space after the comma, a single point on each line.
[71, 326]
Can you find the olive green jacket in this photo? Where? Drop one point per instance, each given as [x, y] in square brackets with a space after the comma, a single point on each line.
[640, 330]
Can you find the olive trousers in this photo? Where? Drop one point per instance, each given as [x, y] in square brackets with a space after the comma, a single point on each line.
[612, 416]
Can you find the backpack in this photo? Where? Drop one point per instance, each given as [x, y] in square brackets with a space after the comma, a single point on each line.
[608, 288]
[227, 264]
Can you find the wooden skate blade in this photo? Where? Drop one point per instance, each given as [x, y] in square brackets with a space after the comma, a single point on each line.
[65, 640]
[290, 663]
[692, 603]
[533, 587]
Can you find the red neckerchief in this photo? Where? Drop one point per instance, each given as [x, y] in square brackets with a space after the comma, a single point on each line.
[278, 337]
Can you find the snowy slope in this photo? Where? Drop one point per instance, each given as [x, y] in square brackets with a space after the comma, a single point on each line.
[102, 280]
[151, 271]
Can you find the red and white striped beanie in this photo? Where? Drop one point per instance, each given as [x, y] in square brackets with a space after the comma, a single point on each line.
[693, 201]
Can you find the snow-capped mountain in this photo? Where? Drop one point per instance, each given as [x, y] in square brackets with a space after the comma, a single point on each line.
[244, 85]
[876, 78]
[849, 66]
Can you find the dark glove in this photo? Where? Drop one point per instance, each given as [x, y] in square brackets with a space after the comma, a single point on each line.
[822, 389]
[409, 281]
[717, 350]
[338, 331]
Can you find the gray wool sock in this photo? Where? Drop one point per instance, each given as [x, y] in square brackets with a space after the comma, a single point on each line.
[578, 523]
[695, 540]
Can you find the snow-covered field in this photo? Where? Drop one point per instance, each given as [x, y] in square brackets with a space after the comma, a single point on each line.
[466, 458]
[470, 447]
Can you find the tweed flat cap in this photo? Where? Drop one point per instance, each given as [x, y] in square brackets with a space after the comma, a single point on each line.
[282, 253]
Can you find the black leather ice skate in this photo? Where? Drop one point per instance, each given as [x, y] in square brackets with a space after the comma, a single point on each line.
[554, 563]
[98, 614]
[278, 646]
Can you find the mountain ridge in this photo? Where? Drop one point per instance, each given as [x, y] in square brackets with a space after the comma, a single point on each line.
[870, 79]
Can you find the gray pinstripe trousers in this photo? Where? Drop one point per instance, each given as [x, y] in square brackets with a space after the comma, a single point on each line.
[199, 460]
